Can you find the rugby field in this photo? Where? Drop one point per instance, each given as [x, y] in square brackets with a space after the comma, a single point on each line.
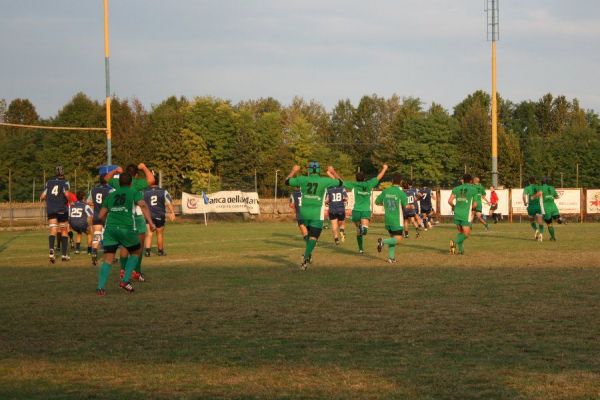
[227, 314]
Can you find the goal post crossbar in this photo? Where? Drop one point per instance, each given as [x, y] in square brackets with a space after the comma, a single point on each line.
[55, 128]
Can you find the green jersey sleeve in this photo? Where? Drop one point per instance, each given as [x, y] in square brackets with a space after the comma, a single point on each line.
[330, 182]
[137, 196]
[403, 199]
[379, 199]
[371, 183]
[139, 184]
[297, 181]
[114, 182]
[349, 185]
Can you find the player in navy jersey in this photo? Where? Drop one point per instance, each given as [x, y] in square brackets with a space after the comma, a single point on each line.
[80, 217]
[295, 204]
[336, 199]
[158, 200]
[410, 213]
[95, 199]
[56, 195]
[427, 197]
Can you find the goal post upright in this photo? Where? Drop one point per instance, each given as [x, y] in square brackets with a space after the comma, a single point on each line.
[107, 77]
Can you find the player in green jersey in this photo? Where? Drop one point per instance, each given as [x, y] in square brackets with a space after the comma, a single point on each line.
[394, 200]
[120, 230]
[532, 198]
[139, 184]
[549, 209]
[463, 201]
[480, 199]
[361, 212]
[312, 211]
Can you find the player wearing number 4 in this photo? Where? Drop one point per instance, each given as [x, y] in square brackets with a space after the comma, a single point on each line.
[118, 210]
[394, 201]
[361, 213]
[95, 200]
[55, 194]
[158, 200]
[313, 188]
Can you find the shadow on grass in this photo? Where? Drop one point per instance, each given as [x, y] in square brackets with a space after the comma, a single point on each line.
[4, 245]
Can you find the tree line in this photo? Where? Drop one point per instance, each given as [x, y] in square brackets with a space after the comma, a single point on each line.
[194, 142]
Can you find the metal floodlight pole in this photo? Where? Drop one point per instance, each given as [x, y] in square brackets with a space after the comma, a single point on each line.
[107, 77]
[276, 173]
[492, 9]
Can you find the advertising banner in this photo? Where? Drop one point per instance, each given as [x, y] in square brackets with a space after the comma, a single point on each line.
[503, 203]
[593, 201]
[220, 202]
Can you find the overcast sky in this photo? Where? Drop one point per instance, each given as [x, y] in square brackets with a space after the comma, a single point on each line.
[318, 49]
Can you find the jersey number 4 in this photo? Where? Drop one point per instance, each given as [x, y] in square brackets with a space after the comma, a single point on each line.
[312, 188]
[54, 190]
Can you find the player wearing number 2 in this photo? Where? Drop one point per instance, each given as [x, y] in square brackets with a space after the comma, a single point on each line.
[95, 200]
[312, 212]
[158, 200]
[55, 194]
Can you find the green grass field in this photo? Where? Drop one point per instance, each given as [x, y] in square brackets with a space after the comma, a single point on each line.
[227, 314]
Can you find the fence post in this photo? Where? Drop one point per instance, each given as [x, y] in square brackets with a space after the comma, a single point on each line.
[510, 208]
[10, 205]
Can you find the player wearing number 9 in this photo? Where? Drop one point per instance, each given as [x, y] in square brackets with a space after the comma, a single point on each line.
[95, 199]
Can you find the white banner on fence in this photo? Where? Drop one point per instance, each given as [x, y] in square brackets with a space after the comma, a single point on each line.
[503, 197]
[569, 201]
[593, 201]
[220, 202]
[518, 207]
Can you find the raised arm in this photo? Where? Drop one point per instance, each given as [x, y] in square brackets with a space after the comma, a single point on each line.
[332, 173]
[292, 173]
[149, 175]
[381, 173]
[111, 174]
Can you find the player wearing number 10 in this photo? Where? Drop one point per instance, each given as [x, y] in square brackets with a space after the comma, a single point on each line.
[313, 188]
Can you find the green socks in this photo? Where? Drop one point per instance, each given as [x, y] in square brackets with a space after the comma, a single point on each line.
[365, 230]
[534, 226]
[123, 262]
[310, 246]
[103, 275]
[460, 238]
[132, 262]
[391, 242]
[551, 230]
[138, 267]
[541, 228]
[359, 240]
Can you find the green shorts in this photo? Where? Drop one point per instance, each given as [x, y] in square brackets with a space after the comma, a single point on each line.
[394, 230]
[313, 223]
[115, 236]
[532, 211]
[140, 224]
[357, 216]
[462, 222]
[550, 212]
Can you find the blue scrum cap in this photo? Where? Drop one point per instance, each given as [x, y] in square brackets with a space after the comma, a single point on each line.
[314, 167]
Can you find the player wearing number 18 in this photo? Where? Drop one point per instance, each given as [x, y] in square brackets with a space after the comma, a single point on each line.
[158, 200]
[313, 188]
[120, 230]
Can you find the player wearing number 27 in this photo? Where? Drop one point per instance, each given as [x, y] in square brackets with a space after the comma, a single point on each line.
[158, 200]
[313, 187]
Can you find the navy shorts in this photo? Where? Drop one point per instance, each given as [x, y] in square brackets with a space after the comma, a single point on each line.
[80, 228]
[60, 216]
[410, 214]
[339, 216]
[158, 222]
[426, 211]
